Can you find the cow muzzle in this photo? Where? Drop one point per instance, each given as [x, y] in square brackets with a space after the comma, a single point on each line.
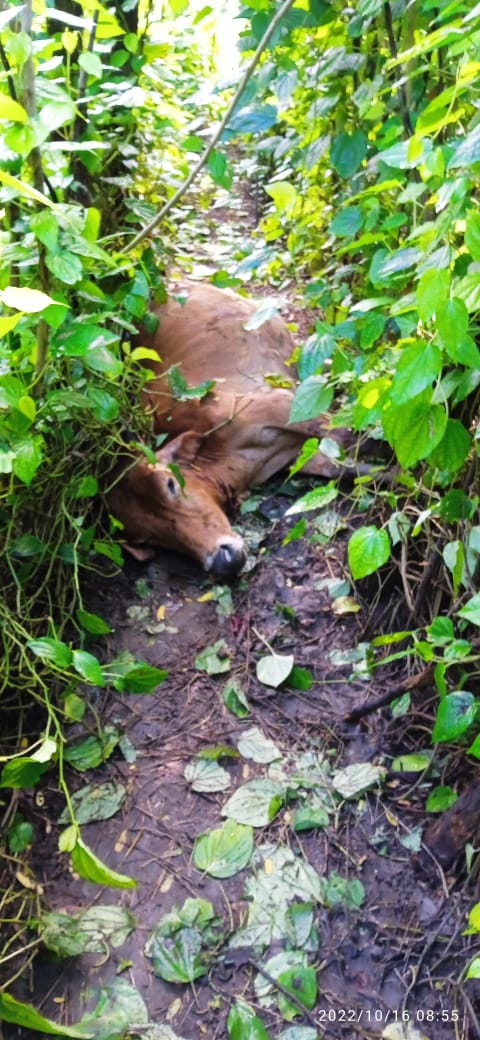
[227, 559]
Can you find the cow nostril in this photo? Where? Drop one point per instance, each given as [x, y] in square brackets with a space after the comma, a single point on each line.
[228, 560]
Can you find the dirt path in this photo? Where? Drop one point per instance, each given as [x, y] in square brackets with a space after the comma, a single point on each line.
[381, 927]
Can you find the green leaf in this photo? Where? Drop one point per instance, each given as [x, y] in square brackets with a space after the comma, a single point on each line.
[418, 367]
[450, 455]
[91, 931]
[456, 713]
[308, 817]
[11, 110]
[253, 119]
[432, 291]
[274, 669]
[354, 780]
[316, 499]
[90, 867]
[284, 195]
[206, 777]
[441, 798]
[244, 1024]
[95, 802]
[313, 354]
[92, 623]
[65, 266]
[452, 325]
[235, 700]
[474, 969]
[182, 391]
[300, 678]
[179, 945]
[348, 152]
[19, 834]
[255, 803]
[22, 773]
[27, 1017]
[225, 851]
[219, 169]
[28, 458]
[312, 399]
[93, 751]
[87, 487]
[119, 1006]
[467, 152]
[472, 234]
[141, 678]
[414, 429]
[346, 223]
[301, 981]
[255, 745]
[54, 650]
[417, 762]
[214, 659]
[368, 550]
[471, 610]
[91, 63]
[88, 667]
[340, 890]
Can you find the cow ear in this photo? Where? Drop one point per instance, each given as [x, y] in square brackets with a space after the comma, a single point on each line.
[182, 449]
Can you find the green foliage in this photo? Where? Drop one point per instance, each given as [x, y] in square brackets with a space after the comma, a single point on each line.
[371, 170]
[82, 99]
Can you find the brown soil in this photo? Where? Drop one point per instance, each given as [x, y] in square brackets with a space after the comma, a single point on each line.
[402, 950]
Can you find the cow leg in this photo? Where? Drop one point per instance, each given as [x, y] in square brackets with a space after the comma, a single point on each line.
[262, 440]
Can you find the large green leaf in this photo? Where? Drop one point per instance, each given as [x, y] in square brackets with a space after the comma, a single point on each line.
[224, 851]
[90, 867]
[414, 429]
[418, 367]
[467, 151]
[312, 399]
[90, 931]
[452, 325]
[456, 713]
[28, 458]
[22, 773]
[368, 550]
[244, 1024]
[25, 1016]
[348, 152]
[49, 649]
[450, 455]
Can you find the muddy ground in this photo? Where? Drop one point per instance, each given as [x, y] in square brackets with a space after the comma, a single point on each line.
[402, 951]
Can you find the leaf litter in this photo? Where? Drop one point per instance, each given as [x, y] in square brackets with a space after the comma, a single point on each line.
[272, 880]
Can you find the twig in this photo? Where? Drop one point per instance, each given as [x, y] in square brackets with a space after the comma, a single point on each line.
[216, 137]
[412, 683]
[286, 992]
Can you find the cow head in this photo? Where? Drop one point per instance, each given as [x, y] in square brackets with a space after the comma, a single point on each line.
[156, 510]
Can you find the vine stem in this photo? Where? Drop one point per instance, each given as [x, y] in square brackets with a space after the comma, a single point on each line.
[217, 135]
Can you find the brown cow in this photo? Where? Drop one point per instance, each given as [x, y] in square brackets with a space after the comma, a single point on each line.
[235, 436]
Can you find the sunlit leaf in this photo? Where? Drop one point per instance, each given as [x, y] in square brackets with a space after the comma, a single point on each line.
[368, 550]
[90, 867]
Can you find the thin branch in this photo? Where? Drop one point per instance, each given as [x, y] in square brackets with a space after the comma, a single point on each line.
[216, 137]
[405, 114]
[35, 159]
